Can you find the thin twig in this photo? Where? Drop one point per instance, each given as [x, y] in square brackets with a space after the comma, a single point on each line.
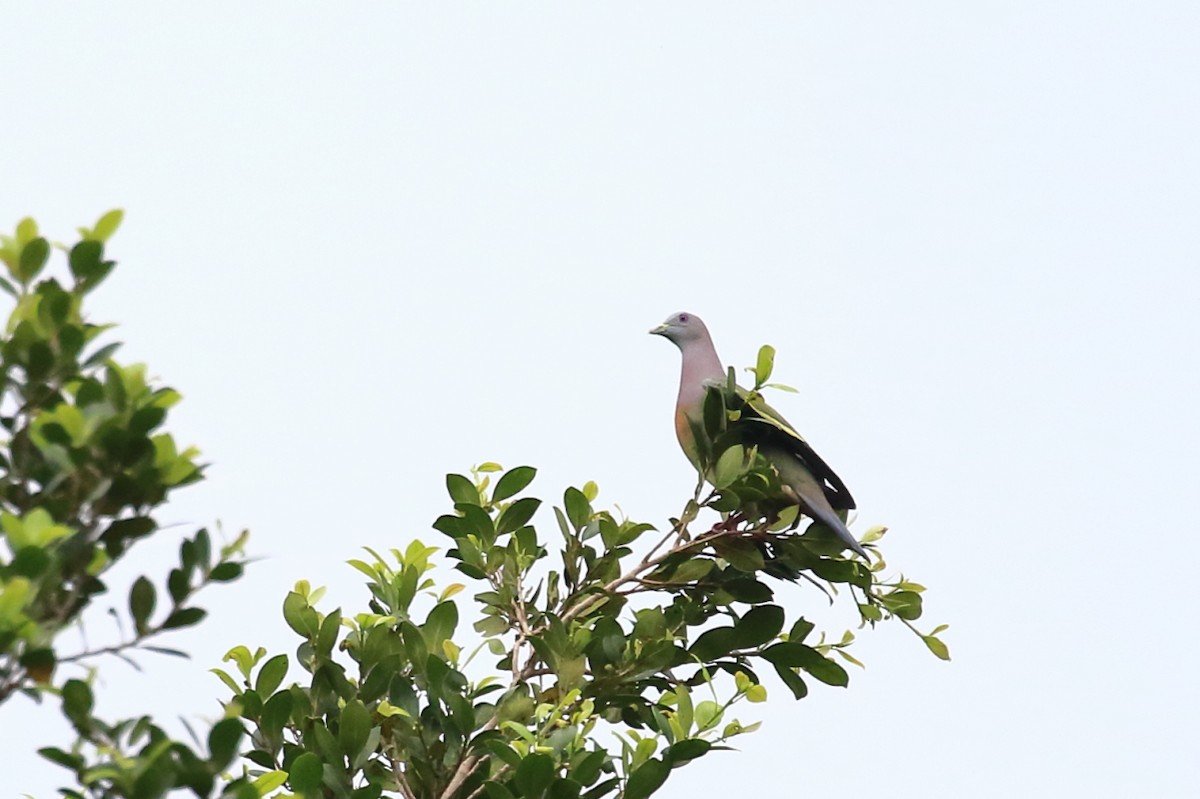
[115, 649]
[401, 780]
[466, 768]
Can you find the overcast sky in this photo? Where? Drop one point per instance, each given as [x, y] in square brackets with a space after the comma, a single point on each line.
[371, 246]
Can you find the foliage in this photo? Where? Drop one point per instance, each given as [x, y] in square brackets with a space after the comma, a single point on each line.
[84, 464]
[593, 675]
[608, 671]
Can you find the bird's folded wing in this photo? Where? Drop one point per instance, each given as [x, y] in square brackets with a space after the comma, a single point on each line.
[776, 430]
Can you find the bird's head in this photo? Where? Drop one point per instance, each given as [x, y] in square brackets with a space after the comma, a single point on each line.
[681, 328]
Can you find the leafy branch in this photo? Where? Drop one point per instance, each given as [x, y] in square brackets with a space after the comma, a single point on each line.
[85, 462]
[391, 702]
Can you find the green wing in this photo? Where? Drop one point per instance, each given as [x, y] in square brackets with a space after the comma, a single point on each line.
[760, 423]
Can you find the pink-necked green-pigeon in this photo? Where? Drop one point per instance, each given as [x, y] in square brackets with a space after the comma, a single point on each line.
[819, 491]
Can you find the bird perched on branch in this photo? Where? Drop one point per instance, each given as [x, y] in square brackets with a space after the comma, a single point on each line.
[807, 479]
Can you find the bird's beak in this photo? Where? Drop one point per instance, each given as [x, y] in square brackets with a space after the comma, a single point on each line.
[661, 330]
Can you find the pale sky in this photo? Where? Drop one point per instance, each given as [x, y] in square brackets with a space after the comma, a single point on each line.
[375, 244]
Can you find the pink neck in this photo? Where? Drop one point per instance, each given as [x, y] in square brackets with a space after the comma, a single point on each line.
[700, 365]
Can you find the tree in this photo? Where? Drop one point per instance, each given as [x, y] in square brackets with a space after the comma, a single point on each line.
[84, 465]
[595, 676]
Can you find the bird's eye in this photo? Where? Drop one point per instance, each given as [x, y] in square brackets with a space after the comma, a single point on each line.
[683, 317]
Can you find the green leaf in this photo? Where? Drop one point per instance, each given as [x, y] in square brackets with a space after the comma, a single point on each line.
[229, 681]
[152, 783]
[31, 562]
[686, 750]
[184, 617]
[789, 653]
[765, 365]
[162, 650]
[691, 571]
[714, 413]
[114, 386]
[328, 632]
[177, 586]
[936, 646]
[534, 774]
[13, 597]
[141, 603]
[795, 654]
[77, 702]
[603, 789]
[646, 779]
[224, 572]
[587, 770]
[440, 625]
[491, 625]
[241, 788]
[870, 612]
[748, 590]
[365, 568]
[40, 529]
[355, 728]
[563, 788]
[793, 681]
[608, 643]
[579, 510]
[266, 783]
[800, 630]
[275, 713]
[61, 758]
[836, 571]
[27, 230]
[271, 675]
[299, 615]
[476, 520]
[708, 714]
[760, 625]
[714, 644]
[223, 742]
[107, 225]
[305, 773]
[33, 259]
[101, 355]
[86, 259]
[513, 482]
[756, 693]
[244, 660]
[461, 490]
[846, 656]
[730, 466]
[684, 711]
[905, 604]
[518, 514]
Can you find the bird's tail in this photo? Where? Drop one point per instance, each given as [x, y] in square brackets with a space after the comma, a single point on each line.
[812, 497]
[828, 517]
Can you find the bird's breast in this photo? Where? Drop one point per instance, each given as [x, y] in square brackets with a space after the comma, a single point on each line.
[683, 431]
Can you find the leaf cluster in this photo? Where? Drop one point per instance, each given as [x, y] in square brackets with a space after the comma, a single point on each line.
[592, 677]
[85, 462]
